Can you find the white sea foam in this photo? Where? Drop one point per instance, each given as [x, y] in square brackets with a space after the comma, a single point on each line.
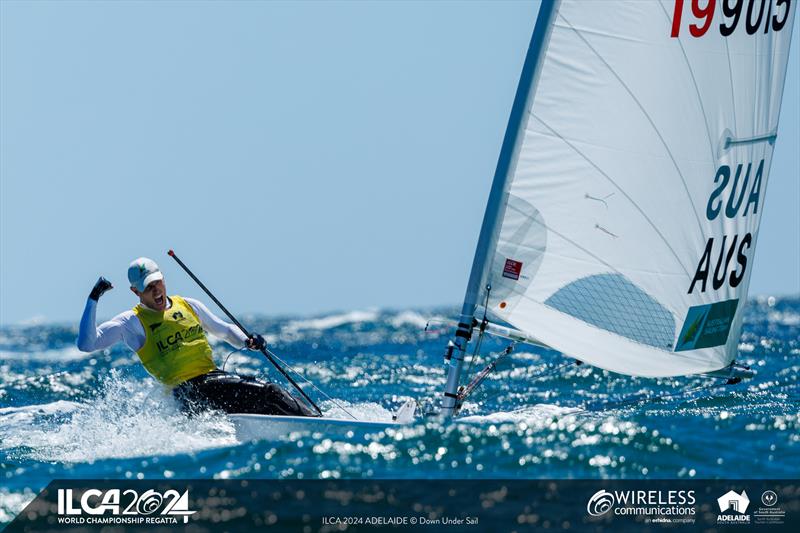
[16, 416]
[410, 318]
[62, 355]
[8, 374]
[430, 380]
[332, 321]
[126, 419]
[535, 414]
[786, 318]
[12, 503]
[36, 320]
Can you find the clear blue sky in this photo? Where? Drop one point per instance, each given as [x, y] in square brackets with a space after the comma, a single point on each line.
[302, 157]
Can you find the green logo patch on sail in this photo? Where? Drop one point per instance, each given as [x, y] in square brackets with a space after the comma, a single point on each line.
[707, 325]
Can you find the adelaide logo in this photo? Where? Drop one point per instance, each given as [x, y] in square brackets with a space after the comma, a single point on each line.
[735, 502]
[600, 503]
[733, 508]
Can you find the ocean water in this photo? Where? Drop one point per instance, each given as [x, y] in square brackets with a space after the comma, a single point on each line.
[66, 414]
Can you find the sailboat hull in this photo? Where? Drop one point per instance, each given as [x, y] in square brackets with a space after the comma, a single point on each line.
[251, 427]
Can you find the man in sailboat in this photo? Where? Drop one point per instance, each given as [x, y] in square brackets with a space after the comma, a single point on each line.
[168, 333]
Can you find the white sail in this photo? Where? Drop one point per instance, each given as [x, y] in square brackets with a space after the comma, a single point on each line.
[631, 203]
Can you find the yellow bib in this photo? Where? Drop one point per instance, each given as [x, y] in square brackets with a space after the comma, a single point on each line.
[175, 347]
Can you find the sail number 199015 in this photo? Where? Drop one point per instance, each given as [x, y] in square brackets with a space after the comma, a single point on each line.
[754, 15]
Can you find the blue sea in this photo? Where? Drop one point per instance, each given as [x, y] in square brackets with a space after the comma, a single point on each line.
[66, 414]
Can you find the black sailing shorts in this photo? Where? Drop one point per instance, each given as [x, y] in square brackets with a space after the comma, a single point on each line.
[232, 393]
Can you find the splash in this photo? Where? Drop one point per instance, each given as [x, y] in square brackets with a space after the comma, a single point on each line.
[12, 503]
[535, 415]
[14, 417]
[125, 419]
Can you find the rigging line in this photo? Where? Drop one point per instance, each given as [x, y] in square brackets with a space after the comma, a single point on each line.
[466, 391]
[323, 393]
[544, 374]
[477, 349]
[479, 342]
[696, 90]
[296, 373]
[475, 353]
[225, 362]
[625, 194]
[647, 116]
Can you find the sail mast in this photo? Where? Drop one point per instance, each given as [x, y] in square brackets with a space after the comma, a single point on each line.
[495, 206]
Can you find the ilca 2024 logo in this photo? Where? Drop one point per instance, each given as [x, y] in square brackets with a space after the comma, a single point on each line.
[115, 506]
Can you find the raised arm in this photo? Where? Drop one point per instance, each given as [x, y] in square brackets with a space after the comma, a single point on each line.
[216, 326]
[119, 328]
[91, 338]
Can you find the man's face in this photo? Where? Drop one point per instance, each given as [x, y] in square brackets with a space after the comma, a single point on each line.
[154, 296]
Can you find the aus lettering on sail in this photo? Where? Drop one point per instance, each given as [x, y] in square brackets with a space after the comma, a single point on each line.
[734, 195]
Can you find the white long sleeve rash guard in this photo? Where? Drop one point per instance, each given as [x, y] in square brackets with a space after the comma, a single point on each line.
[128, 328]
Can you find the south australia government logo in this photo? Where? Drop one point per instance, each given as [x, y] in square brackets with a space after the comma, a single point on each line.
[116, 506]
[733, 508]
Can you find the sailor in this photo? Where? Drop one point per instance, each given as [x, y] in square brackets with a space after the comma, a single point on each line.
[168, 333]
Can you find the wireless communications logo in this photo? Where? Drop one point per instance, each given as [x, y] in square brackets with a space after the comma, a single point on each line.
[115, 506]
[655, 506]
[600, 503]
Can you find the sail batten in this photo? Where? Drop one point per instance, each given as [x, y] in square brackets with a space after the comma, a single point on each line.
[646, 115]
[631, 199]
[621, 191]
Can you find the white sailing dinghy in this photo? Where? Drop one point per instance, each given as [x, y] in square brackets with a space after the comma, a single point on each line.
[273, 427]
[624, 212]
